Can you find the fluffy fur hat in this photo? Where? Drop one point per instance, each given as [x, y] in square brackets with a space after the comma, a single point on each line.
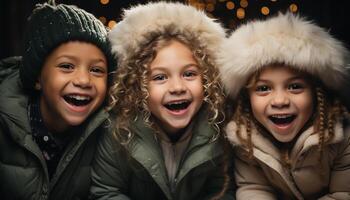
[287, 39]
[142, 22]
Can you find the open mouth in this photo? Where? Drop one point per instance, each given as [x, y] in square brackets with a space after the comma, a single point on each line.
[77, 100]
[176, 106]
[282, 119]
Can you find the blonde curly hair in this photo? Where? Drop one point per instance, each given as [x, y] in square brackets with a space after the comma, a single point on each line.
[128, 95]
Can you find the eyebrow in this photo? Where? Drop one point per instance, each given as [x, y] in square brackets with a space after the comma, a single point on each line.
[288, 80]
[94, 60]
[185, 66]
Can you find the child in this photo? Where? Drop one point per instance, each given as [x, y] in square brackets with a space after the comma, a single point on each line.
[50, 116]
[289, 133]
[168, 103]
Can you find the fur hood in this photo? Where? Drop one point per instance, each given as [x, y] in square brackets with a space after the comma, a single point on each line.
[141, 23]
[285, 38]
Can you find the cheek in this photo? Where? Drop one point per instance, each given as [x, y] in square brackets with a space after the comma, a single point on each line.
[101, 85]
[200, 91]
[306, 104]
[258, 104]
[155, 94]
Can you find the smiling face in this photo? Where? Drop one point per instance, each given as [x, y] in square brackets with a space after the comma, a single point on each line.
[282, 101]
[175, 87]
[73, 84]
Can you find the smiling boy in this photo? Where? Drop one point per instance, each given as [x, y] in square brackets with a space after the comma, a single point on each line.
[50, 110]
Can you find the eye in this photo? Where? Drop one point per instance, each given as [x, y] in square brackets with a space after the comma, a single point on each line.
[66, 66]
[262, 88]
[296, 87]
[98, 70]
[159, 77]
[190, 74]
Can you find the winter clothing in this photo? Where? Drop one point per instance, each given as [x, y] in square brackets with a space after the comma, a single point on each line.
[138, 171]
[309, 177]
[24, 165]
[144, 22]
[8, 66]
[285, 39]
[23, 170]
[293, 42]
[51, 25]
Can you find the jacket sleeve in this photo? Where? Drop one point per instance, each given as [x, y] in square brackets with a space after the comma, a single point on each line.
[8, 66]
[108, 176]
[339, 187]
[251, 181]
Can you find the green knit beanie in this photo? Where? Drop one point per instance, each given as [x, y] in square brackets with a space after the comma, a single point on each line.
[51, 25]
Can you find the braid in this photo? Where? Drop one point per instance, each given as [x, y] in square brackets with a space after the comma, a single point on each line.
[239, 120]
[242, 117]
[249, 136]
[322, 118]
[329, 112]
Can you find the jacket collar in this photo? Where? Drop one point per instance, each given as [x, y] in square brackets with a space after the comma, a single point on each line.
[145, 148]
[266, 152]
[14, 102]
[305, 141]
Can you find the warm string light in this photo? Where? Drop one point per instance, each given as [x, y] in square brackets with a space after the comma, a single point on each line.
[104, 2]
[239, 8]
[265, 10]
[293, 7]
[111, 24]
[230, 5]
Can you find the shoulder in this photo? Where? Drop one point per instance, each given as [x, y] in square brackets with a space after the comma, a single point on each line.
[8, 66]
[341, 140]
[108, 142]
[13, 100]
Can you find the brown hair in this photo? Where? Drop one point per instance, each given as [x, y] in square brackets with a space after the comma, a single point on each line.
[327, 111]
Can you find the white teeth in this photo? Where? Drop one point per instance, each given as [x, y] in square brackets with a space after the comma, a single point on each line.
[79, 97]
[178, 102]
[281, 116]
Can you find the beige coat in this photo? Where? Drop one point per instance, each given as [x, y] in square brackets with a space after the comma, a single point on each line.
[265, 177]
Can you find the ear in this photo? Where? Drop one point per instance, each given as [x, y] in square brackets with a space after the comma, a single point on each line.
[37, 85]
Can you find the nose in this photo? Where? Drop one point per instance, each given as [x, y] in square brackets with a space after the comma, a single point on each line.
[280, 100]
[177, 86]
[82, 79]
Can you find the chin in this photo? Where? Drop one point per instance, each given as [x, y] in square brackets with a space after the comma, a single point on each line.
[285, 138]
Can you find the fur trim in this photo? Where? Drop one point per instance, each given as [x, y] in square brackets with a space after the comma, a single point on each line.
[306, 140]
[287, 39]
[144, 21]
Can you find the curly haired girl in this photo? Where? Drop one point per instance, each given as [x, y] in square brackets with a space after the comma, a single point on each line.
[168, 104]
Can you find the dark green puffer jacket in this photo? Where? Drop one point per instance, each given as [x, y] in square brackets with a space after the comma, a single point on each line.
[8, 66]
[23, 171]
[139, 172]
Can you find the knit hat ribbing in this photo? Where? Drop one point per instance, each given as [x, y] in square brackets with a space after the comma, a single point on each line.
[149, 20]
[51, 25]
[287, 39]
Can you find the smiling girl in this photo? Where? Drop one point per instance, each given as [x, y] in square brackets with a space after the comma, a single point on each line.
[290, 133]
[168, 104]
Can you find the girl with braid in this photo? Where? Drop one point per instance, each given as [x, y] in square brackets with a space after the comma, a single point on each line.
[289, 130]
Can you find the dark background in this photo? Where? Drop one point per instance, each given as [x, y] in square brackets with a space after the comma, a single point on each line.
[334, 15]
